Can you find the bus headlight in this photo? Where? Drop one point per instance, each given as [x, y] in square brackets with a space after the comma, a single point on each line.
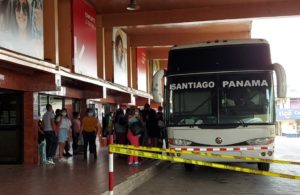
[181, 142]
[261, 141]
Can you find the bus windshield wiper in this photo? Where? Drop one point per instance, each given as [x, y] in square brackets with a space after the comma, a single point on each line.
[241, 122]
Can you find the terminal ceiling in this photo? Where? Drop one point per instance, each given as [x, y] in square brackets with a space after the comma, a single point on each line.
[158, 24]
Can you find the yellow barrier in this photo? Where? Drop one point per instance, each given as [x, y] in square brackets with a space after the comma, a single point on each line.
[253, 159]
[137, 151]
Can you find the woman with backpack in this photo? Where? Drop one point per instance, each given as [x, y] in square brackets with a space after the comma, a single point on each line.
[136, 129]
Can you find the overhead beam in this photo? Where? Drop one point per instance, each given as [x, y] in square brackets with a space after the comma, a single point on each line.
[158, 53]
[207, 13]
[179, 39]
[194, 27]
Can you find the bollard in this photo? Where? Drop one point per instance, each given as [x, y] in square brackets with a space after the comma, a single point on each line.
[110, 167]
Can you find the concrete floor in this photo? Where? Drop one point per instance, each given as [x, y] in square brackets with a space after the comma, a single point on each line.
[78, 177]
[75, 177]
[210, 181]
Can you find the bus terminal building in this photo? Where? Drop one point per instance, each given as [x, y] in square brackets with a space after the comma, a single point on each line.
[79, 54]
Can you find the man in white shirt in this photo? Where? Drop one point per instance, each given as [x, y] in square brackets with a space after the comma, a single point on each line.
[48, 124]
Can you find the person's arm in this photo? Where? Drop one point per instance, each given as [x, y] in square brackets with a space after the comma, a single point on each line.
[40, 128]
[82, 125]
[52, 123]
[96, 126]
[99, 129]
[70, 130]
[79, 125]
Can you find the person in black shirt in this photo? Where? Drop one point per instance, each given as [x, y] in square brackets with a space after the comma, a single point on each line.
[153, 131]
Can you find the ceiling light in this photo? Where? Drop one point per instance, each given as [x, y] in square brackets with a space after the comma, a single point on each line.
[132, 6]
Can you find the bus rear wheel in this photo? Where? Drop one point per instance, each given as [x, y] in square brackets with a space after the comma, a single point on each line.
[263, 166]
[189, 167]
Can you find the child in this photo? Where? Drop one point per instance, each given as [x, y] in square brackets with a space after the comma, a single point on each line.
[42, 144]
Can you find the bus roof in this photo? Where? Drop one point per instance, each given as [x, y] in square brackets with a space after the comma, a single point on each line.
[222, 43]
[231, 55]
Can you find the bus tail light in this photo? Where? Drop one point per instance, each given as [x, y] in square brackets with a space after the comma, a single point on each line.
[261, 141]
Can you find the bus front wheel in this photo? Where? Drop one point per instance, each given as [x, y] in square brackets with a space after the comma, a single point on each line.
[263, 166]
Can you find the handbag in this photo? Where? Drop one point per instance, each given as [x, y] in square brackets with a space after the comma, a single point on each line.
[137, 128]
[80, 140]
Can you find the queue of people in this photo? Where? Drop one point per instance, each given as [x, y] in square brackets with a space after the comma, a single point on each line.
[136, 127]
[57, 130]
[128, 125]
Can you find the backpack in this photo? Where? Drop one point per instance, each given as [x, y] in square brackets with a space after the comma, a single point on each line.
[137, 128]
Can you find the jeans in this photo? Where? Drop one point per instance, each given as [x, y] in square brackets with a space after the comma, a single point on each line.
[121, 138]
[89, 138]
[75, 141]
[51, 144]
[134, 140]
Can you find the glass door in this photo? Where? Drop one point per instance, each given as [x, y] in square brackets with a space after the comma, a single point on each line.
[11, 127]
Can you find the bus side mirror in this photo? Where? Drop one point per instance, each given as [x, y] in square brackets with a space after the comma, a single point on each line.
[281, 80]
[157, 86]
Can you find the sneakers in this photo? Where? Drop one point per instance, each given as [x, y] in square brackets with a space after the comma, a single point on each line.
[50, 161]
[67, 155]
[135, 164]
[45, 163]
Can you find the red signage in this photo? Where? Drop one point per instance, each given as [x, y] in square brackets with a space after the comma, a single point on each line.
[141, 61]
[84, 38]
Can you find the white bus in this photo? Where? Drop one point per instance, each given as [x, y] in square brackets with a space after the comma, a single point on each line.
[219, 97]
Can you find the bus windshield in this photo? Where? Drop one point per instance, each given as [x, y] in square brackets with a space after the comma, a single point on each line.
[220, 99]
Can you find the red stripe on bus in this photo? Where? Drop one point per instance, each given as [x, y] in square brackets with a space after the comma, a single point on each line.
[264, 147]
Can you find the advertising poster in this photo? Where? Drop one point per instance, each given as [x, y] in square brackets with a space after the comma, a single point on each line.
[85, 38]
[141, 61]
[155, 66]
[21, 27]
[120, 57]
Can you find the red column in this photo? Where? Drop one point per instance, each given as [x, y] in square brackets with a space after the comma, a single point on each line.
[30, 131]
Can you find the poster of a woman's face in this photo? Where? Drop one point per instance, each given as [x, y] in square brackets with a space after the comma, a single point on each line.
[18, 19]
[2, 20]
[22, 17]
[120, 57]
[119, 50]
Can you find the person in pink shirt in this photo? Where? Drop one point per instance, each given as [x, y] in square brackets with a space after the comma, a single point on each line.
[136, 129]
[76, 131]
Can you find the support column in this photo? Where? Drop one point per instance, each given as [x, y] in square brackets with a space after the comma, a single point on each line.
[30, 131]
